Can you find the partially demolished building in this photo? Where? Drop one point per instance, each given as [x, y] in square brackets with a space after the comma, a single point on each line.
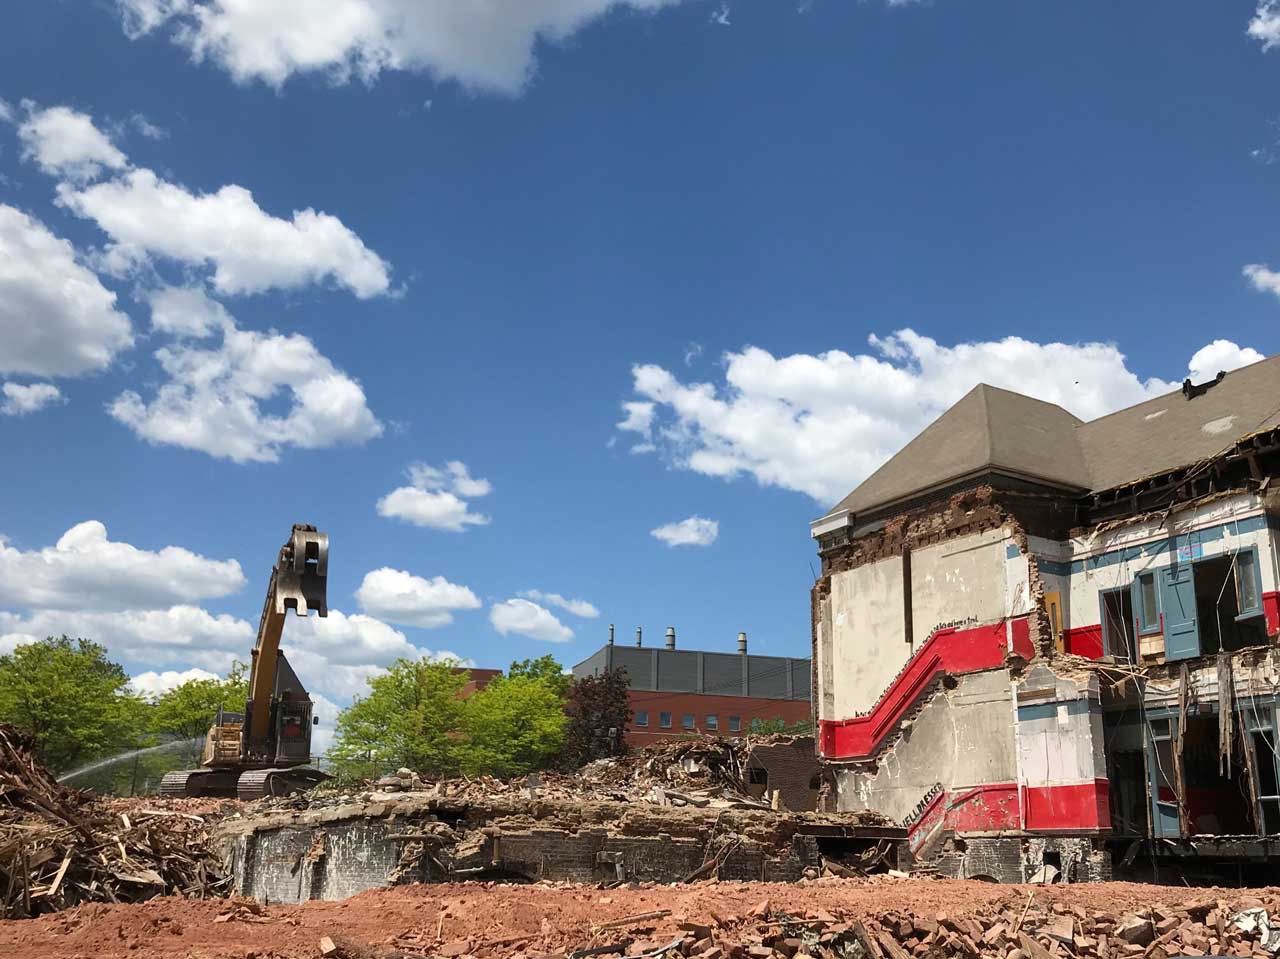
[1039, 641]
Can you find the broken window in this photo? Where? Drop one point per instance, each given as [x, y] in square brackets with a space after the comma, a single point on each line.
[1117, 624]
[1248, 590]
[1227, 602]
[642, 717]
[1146, 602]
[664, 720]
[712, 721]
[1262, 740]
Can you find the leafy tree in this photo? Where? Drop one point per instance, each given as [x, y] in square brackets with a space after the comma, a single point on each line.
[72, 699]
[412, 716]
[765, 727]
[545, 668]
[515, 724]
[187, 711]
[598, 710]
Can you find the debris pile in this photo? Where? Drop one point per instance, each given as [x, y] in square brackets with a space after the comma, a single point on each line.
[60, 847]
[1011, 930]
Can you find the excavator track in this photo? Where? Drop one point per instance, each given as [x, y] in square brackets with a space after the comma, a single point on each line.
[192, 783]
[258, 783]
[180, 782]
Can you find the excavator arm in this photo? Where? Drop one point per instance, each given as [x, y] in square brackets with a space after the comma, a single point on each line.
[298, 582]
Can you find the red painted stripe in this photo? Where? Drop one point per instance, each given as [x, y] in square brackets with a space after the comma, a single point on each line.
[1083, 641]
[928, 820]
[1020, 628]
[948, 650]
[1271, 610]
[1078, 806]
[989, 808]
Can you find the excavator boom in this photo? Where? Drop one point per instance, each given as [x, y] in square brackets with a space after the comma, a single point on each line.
[262, 752]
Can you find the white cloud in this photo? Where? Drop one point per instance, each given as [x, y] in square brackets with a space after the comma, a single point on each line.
[455, 476]
[248, 249]
[1220, 355]
[1265, 25]
[85, 570]
[820, 424]
[437, 498]
[639, 418]
[20, 400]
[180, 635]
[147, 128]
[578, 607]
[482, 44]
[720, 17]
[694, 531]
[65, 143]
[56, 317]
[214, 398]
[187, 311]
[152, 683]
[400, 597]
[528, 619]
[6, 111]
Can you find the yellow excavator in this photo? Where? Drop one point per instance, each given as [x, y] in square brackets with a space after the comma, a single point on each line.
[264, 751]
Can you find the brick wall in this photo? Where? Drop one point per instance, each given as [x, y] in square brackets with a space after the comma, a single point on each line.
[702, 705]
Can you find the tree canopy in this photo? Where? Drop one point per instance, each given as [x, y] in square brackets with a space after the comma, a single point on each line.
[188, 710]
[598, 710]
[545, 668]
[514, 725]
[411, 716]
[73, 699]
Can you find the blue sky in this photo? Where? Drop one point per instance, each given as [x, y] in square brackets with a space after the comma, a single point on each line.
[471, 233]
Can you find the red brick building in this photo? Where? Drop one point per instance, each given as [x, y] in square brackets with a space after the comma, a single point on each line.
[681, 692]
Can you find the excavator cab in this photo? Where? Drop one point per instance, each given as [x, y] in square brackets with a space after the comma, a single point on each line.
[262, 751]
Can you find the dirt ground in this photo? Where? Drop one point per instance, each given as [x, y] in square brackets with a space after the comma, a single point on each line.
[508, 920]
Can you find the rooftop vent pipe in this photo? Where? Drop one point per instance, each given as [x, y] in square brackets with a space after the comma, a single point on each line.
[671, 637]
[742, 643]
[639, 639]
[611, 634]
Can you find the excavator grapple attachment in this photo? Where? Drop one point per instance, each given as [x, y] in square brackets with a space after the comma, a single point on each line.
[302, 572]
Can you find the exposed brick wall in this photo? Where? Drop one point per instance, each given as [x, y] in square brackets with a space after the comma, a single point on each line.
[1018, 858]
[792, 768]
[700, 705]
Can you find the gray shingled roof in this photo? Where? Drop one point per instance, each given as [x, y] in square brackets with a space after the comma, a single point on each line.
[991, 429]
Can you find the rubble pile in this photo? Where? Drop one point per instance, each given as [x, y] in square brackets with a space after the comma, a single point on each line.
[60, 847]
[1015, 929]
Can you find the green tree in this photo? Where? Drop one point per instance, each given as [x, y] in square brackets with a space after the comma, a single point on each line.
[411, 716]
[515, 724]
[599, 709]
[767, 727]
[72, 699]
[545, 668]
[187, 711]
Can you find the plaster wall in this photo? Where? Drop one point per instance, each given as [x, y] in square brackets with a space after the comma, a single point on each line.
[868, 642]
[959, 580]
[961, 737]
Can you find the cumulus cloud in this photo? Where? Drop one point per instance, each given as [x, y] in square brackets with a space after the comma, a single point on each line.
[180, 635]
[19, 400]
[820, 424]
[528, 619]
[56, 317]
[437, 498]
[1265, 25]
[86, 570]
[216, 399]
[248, 249]
[482, 45]
[153, 684]
[1220, 355]
[186, 311]
[65, 143]
[578, 607]
[400, 597]
[694, 531]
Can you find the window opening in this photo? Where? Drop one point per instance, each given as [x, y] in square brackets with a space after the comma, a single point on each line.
[664, 720]
[1117, 624]
[642, 717]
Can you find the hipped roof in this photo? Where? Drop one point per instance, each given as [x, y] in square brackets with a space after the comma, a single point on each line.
[995, 430]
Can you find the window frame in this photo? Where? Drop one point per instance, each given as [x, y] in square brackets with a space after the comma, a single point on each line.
[642, 717]
[711, 721]
[664, 720]
[688, 722]
[1256, 610]
[735, 724]
[1144, 627]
